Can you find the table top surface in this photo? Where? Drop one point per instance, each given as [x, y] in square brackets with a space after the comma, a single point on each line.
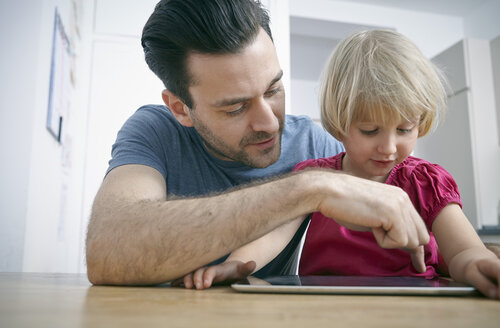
[69, 300]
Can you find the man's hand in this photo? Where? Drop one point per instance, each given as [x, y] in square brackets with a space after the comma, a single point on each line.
[386, 209]
[225, 272]
[417, 254]
[418, 258]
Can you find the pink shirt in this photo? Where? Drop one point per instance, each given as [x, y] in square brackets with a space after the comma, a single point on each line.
[330, 248]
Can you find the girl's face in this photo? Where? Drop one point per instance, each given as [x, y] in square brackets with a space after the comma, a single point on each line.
[373, 149]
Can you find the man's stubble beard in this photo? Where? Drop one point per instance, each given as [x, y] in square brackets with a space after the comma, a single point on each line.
[222, 150]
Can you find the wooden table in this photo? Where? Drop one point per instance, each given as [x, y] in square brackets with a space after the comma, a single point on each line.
[68, 300]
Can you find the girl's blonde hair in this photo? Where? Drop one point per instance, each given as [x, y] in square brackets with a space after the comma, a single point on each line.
[380, 76]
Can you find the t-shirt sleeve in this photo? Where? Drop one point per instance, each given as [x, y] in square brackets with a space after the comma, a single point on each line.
[138, 142]
[305, 164]
[331, 146]
[431, 188]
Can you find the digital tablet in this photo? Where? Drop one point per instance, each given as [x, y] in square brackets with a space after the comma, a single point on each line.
[366, 285]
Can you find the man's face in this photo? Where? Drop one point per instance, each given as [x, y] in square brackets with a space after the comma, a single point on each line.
[239, 103]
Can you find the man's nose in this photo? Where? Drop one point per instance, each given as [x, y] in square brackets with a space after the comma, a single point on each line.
[263, 118]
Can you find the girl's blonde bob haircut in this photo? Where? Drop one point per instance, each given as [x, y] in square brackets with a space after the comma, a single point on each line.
[380, 76]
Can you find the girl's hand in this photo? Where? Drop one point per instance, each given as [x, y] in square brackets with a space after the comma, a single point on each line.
[484, 274]
[225, 272]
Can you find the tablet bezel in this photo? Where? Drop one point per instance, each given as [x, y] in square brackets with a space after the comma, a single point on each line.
[357, 285]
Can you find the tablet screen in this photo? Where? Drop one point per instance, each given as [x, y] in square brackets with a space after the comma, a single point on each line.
[354, 285]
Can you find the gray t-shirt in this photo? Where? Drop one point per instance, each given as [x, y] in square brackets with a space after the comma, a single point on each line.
[152, 136]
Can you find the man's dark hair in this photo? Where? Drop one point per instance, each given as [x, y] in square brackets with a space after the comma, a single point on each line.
[177, 28]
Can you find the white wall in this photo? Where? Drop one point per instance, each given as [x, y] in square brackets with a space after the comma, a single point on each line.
[308, 56]
[483, 23]
[495, 55]
[53, 221]
[318, 25]
[41, 178]
[280, 28]
[18, 85]
[306, 101]
[418, 26]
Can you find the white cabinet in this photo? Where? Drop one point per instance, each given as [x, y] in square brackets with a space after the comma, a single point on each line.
[466, 143]
[495, 61]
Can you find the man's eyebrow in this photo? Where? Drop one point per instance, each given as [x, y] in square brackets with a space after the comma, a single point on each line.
[234, 101]
[276, 78]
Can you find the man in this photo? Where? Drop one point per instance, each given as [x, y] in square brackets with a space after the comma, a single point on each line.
[190, 182]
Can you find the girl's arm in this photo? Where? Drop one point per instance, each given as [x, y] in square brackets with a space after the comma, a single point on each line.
[245, 260]
[468, 259]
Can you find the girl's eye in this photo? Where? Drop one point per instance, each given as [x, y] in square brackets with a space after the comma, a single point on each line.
[404, 131]
[369, 132]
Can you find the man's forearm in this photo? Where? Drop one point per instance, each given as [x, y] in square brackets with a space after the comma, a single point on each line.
[148, 242]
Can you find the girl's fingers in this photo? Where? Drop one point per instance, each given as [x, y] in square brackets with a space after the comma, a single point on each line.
[188, 280]
[210, 276]
[246, 269]
[198, 278]
[489, 280]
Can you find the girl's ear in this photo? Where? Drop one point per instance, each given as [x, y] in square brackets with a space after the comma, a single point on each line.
[177, 107]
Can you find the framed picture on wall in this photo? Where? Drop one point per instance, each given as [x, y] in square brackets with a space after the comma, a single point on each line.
[60, 79]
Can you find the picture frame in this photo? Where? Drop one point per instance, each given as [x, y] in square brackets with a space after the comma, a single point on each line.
[60, 76]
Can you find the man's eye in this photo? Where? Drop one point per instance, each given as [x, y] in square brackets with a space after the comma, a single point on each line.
[237, 111]
[272, 92]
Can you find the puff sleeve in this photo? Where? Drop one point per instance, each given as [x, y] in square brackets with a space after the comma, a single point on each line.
[430, 187]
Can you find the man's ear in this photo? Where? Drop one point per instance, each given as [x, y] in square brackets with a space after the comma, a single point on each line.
[177, 107]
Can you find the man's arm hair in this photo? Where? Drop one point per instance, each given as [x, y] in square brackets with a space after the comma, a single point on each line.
[138, 236]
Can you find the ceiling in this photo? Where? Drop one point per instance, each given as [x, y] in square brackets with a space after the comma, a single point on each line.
[443, 7]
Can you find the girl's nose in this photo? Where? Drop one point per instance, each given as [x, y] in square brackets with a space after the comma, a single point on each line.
[387, 144]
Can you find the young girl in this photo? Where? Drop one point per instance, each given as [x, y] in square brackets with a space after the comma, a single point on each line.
[379, 94]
